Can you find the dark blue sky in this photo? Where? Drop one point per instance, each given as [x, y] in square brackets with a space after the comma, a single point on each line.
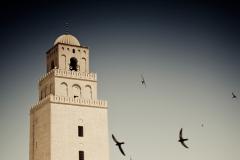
[29, 29]
[188, 52]
[126, 22]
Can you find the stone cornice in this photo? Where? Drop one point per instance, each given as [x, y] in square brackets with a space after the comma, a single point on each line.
[55, 46]
[70, 101]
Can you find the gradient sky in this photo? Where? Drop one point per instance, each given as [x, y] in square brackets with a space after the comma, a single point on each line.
[189, 54]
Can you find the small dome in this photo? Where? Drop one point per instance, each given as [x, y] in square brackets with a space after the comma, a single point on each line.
[67, 39]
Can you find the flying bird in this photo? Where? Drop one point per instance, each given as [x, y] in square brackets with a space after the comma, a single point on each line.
[181, 139]
[143, 81]
[233, 95]
[118, 144]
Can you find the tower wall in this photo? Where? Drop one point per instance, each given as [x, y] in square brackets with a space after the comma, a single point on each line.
[88, 89]
[65, 142]
[40, 134]
[59, 57]
[67, 83]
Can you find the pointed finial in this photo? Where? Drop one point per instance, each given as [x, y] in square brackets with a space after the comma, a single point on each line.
[66, 28]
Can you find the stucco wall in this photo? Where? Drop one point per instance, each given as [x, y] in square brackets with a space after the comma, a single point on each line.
[39, 144]
[65, 143]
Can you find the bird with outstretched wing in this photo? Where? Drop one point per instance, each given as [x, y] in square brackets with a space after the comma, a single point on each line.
[182, 140]
[118, 144]
[143, 81]
[233, 95]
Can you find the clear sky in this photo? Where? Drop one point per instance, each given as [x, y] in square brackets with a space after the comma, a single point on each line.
[189, 54]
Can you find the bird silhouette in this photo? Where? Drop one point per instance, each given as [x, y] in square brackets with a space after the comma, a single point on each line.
[118, 144]
[233, 95]
[181, 139]
[143, 81]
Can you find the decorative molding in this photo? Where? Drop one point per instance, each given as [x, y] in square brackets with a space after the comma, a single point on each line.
[69, 74]
[70, 101]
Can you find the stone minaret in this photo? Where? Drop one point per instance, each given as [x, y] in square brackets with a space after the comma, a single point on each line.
[68, 122]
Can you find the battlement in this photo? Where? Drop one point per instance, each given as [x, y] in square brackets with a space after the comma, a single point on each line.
[71, 101]
[69, 74]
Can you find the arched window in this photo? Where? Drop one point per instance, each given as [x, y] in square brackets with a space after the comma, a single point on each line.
[41, 96]
[73, 64]
[73, 50]
[64, 62]
[51, 88]
[52, 64]
[64, 89]
[84, 64]
[76, 91]
[45, 92]
[88, 92]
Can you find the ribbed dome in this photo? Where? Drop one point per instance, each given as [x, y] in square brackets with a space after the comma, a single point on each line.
[67, 39]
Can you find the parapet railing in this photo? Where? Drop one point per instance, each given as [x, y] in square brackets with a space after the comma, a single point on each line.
[70, 74]
[70, 100]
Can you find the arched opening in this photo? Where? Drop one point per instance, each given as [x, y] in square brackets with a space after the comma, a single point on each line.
[51, 88]
[41, 96]
[84, 65]
[76, 91]
[73, 64]
[88, 92]
[45, 92]
[64, 89]
[52, 64]
[64, 61]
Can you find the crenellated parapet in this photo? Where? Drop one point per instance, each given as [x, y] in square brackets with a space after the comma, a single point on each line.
[71, 101]
[69, 74]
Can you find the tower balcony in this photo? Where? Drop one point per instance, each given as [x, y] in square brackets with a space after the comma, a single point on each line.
[70, 101]
[69, 74]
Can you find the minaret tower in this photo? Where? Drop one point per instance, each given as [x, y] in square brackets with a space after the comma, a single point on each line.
[68, 122]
